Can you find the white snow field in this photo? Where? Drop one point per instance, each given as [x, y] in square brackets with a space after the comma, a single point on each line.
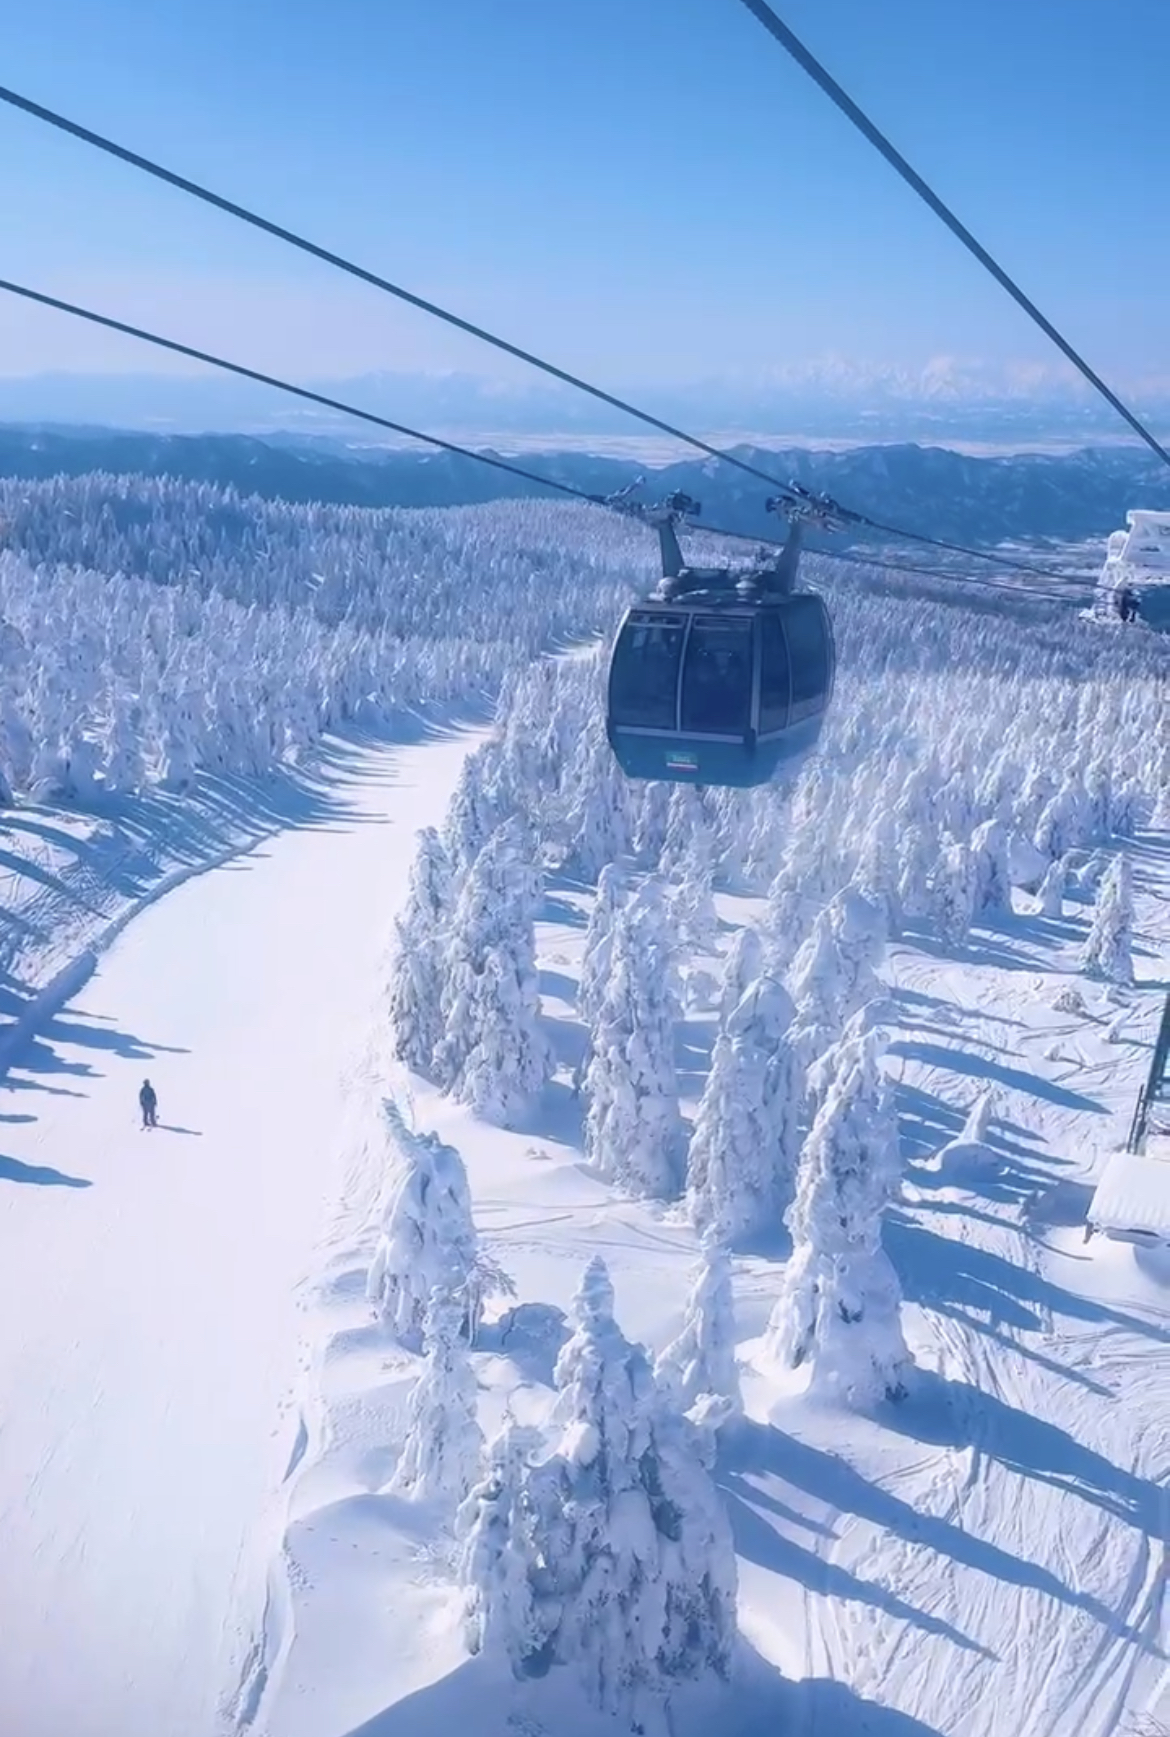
[148, 1285]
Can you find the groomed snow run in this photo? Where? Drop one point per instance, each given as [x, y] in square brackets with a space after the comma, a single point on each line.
[148, 1290]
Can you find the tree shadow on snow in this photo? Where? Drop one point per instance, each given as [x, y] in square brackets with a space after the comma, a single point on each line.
[39, 1175]
[46, 1052]
[530, 1336]
[694, 1042]
[955, 1415]
[980, 948]
[927, 1123]
[89, 1032]
[829, 1479]
[557, 986]
[952, 1275]
[479, 1695]
[561, 912]
[557, 1115]
[758, 1540]
[965, 1061]
[143, 836]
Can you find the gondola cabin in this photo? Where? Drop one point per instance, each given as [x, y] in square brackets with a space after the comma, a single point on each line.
[720, 678]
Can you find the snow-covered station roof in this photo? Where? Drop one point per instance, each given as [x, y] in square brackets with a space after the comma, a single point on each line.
[1133, 1196]
[1140, 556]
[1146, 543]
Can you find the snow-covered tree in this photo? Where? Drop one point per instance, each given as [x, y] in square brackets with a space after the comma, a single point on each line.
[428, 1239]
[474, 812]
[878, 871]
[431, 885]
[493, 1054]
[953, 888]
[1066, 820]
[16, 743]
[692, 904]
[1050, 897]
[783, 923]
[650, 824]
[1037, 790]
[971, 1150]
[743, 1148]
[1160, 815]
[700, 1360]
[838, 1310]
[1108, 949]
[597, 827]
[835, 971]
[443, 1449]
[918, 852]
[417, 974]
[180, 745]
[634, 1128]
[743, 965]
[991, 868]
[415, 999]
[125, 763]
[498, 1612]
[598, 949]
[866, 1026]
[687, 836]
[596, 957]
[629, 1548]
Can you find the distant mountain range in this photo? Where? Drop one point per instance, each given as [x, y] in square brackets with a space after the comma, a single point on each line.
[1062, 497]
[947, 403]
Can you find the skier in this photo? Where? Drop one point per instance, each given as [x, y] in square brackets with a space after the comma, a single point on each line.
[1127, 603]
[148, 1099]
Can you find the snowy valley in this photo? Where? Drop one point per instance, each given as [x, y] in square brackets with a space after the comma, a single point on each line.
[615, 1256]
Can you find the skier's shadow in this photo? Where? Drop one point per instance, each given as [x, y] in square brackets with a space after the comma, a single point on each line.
[173, 1128]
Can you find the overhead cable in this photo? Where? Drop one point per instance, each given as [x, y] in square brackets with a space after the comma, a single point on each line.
[789, 41]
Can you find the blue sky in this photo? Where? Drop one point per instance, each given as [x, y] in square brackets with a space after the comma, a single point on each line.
[646, 189]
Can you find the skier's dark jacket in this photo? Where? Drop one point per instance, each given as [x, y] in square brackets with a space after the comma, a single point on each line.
[148, 1097]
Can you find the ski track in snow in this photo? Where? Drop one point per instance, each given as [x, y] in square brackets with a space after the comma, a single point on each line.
[1041, 1520]
[150, 1280]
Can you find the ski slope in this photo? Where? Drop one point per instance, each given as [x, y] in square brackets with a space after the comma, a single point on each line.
[149, 1281]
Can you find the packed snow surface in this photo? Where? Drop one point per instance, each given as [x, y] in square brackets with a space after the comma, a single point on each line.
[148, 1281]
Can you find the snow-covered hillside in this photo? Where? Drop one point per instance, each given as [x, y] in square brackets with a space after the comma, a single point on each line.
[654, 1290]
[949, 1515]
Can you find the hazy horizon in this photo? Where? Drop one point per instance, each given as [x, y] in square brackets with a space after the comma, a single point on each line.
[827, 406]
